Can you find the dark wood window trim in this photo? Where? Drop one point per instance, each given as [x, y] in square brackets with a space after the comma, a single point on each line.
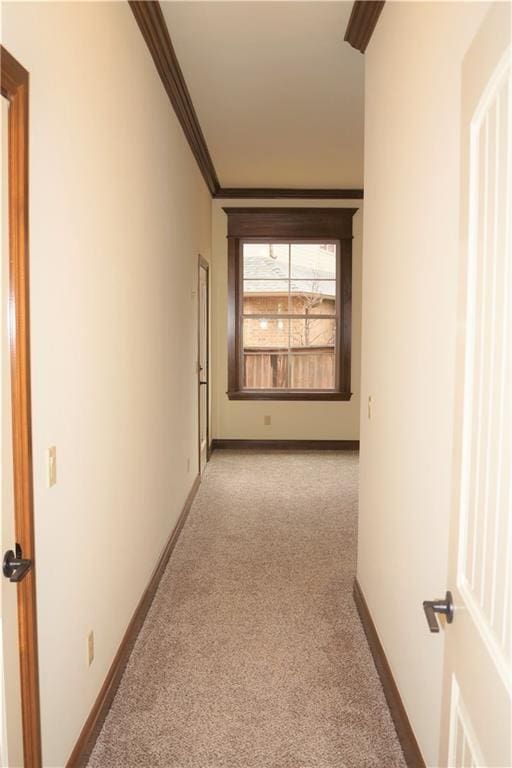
[282, 193]
[290, 224]
[363, 20]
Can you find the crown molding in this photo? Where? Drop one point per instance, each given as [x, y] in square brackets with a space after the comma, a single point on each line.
[269, 193]
[150, 19]
[152, 24]
[362, 22]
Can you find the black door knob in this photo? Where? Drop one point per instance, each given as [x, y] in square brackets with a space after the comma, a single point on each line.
[431, 607]
[15, 568]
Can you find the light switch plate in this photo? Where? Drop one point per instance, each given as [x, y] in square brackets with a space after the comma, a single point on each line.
[51, 466]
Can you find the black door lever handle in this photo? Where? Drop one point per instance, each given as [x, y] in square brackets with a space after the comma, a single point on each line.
[15, 568]
[431, 607]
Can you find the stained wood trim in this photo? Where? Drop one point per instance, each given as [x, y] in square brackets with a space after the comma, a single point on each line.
[15, 88]
[287, 445]
[92, 727]
[288, 394]
[362, 22]
[295, 223]
[233, 313]
[345, 316]
[152, 24]
[405, 733]
[269, 193]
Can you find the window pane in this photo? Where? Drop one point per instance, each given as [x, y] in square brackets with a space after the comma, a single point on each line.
[313, 261]
[313, 297]
[263, 297]
[265, 370]
[312, 333]
[313, 354]
[265, 348]
[265, 261]
[313, 369]
[265, 332]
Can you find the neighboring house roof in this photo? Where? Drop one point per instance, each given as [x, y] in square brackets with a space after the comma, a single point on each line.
[258, 265]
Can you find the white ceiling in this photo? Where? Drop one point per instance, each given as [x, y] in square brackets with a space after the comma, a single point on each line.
[278, 93]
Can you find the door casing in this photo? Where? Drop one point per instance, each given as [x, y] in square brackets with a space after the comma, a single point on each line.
[203, 264]
[15, 88]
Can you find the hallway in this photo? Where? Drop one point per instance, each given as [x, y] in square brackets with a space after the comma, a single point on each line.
[252, 654]
[277, 235]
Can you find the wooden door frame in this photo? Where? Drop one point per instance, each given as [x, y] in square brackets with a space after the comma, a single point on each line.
[14, 87]
[201, 262]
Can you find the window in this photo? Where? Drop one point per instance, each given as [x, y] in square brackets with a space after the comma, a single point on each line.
[288, 334]
[290, 303]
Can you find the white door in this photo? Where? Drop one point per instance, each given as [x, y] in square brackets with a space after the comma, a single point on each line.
[477, 714]
[11, 736]
[203, 365]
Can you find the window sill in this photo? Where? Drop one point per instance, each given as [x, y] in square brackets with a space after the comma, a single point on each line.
[265, 394]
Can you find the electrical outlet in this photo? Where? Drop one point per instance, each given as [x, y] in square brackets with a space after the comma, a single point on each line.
[267, 421]
[51, 461]
[90, 648]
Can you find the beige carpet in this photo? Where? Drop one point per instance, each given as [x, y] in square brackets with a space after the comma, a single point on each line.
[252, 654]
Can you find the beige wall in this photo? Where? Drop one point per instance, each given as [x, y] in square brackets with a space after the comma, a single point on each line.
[118, 215]
[411, 226]
[289, 420]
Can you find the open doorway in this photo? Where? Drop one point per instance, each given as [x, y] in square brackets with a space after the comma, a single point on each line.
[203, 368]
